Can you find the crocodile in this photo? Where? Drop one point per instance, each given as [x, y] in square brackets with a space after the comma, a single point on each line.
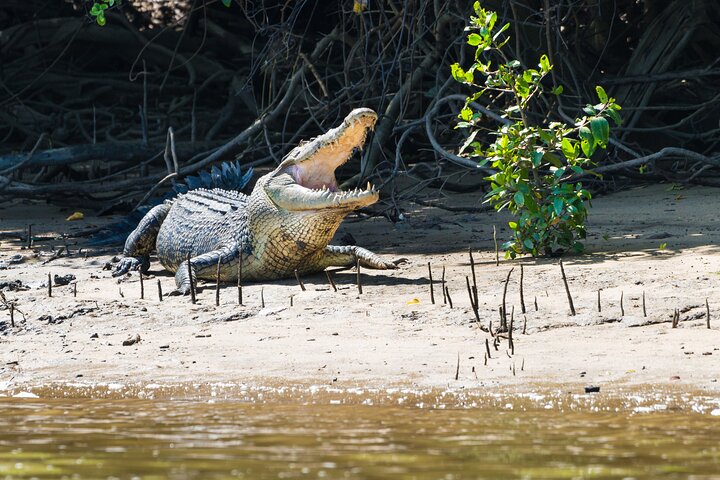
[285, 224]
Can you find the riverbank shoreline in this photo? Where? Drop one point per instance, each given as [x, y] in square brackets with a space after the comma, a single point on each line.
[654, 245]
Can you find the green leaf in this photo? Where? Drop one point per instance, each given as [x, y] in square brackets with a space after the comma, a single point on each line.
[528, 244]
[558, 204]
[545, 64]
[586, 134]
[587, 147]
[557, 90]
[601, 94]
[553, 160]
[513, 225]
[474, 39]
[514, 64]
[600, 129]
[226, 2]
[457, 72]
[502, 29]
[101, 19]
[95, 10]
[519, 199]
[614, 116]
[568, 149]
[536, 157]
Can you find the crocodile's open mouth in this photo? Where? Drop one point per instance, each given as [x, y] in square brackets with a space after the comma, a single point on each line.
[305, 180]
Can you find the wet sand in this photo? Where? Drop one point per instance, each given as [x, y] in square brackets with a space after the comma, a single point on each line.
[655, 240]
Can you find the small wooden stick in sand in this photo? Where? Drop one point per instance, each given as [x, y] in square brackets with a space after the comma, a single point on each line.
[707, 313]
[567, 290]
[472, 301]
[160, 294]
[474, 284]
[457, 369]
[522, 295]
[359, 282]
[330, 280]
[297, 277]
[239, 280]
[192, 284]
[644, 310]
[504, 316]
[217, 284]
[442, 284]
[432, 292]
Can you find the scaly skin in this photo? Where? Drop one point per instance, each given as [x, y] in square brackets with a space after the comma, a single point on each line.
[283, 226]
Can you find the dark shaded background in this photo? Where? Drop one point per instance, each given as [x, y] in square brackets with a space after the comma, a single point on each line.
[93, 104]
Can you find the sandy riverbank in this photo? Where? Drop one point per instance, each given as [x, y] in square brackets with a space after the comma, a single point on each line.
[384, 337]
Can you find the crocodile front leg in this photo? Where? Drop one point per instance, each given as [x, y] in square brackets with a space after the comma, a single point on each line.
[347, 256]
[141, 242]
[205, 266]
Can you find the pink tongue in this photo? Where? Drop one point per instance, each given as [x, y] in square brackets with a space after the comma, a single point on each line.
[312, 183]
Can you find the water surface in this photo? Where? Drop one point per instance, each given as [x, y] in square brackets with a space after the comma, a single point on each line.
[537, 436]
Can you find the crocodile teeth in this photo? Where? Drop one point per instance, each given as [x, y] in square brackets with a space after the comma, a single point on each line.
[369, 187]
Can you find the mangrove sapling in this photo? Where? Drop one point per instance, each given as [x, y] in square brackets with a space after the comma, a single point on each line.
[534, 162]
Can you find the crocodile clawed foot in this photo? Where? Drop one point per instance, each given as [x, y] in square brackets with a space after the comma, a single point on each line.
[125, 265]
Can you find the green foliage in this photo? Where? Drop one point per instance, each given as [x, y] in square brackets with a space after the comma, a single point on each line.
[534, 163]
[97, 11]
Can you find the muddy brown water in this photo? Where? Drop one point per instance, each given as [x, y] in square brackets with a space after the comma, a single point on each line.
[236, 431]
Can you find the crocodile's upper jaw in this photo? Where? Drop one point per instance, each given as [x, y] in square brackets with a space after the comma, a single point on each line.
[305, 180]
